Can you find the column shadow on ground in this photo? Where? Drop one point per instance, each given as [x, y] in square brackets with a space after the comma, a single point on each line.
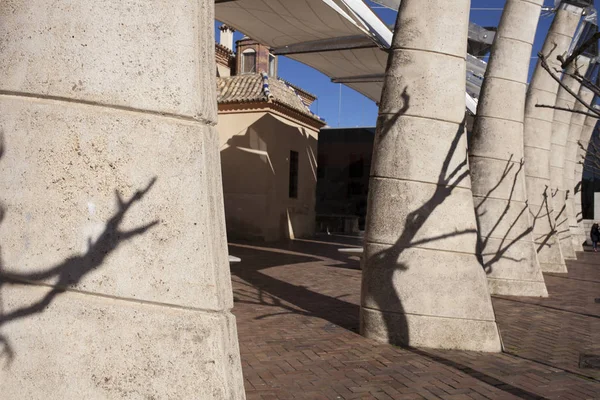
[293, 299]
[480, 376]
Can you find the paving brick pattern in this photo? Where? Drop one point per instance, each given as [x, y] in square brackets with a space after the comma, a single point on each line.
[297, 307]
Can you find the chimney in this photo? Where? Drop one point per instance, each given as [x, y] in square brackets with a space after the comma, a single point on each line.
[226, 37]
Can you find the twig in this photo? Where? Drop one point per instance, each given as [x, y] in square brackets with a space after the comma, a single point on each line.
[568, 109]
[578, 51]
[544, 64]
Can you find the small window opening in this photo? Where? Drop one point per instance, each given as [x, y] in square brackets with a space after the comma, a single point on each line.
[249, 62]
[293, 188]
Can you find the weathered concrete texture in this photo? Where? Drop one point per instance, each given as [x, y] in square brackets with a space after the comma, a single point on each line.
[586, 134]
[537, 140]
[575, 130]
[560, 134]
[112, 203]
[496, 158]
[75, 158]
[422, 282]
[143, 55]
[89, 347]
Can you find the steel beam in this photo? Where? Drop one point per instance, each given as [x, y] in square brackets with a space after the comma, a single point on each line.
[359, 79]
[323, 45]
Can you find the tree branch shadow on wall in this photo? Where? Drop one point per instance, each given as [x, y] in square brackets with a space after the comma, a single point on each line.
[578, 191]
[72, 270]
[561, 220]
[489, 257]
[379, 269]
[544, 212]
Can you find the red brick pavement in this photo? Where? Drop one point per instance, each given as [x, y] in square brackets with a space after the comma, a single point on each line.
[296, 305]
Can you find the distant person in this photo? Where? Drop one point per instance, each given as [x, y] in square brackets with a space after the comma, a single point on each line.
[595, 236]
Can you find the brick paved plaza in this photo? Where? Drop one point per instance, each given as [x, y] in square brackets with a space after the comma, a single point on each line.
[297, 306]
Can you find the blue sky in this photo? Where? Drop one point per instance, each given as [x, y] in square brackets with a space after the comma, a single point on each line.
[357, 110]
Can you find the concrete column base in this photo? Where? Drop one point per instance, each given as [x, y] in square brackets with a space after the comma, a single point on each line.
[577, 242]
[430, 331]
[83, 347]
[509, 287]
[515, 264]
[415, 287]
[556, 268]
[566, 245]
[562, 226]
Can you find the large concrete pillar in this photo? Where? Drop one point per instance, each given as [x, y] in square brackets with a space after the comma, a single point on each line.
[571, 160]
[537, 139]
[496, 158]
[586, 135]
[115, 281]
[560, 133]
[422, 282]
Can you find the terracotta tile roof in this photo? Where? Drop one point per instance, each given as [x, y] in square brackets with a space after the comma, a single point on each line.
[249, 88]
[308, 94]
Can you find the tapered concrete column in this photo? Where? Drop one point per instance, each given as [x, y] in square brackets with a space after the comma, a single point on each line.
[560, 133]
[113, 210]
[586, 135]
[496, 158]
[575, 130]
[422, 283]
[537, 140]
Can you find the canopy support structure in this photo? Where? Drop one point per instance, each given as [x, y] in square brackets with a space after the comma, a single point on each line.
[359, 79]
[323, 45]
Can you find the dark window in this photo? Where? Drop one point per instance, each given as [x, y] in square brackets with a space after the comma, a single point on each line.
[355, 189]
[357, 166]
[293, 174]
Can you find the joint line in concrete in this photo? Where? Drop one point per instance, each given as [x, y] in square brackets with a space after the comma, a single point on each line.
[536, 147]
[43, 97]
[494, 158]
[518, 121]
[417, 181]
[429, 51]
[427, 315]
[10, 279]
[368, 241]
[421, 117]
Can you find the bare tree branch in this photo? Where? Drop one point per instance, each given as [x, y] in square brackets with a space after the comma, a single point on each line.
[544, 64]
[567, 109]
[578, 51]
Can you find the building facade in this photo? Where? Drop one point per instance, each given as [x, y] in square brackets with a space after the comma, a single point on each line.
[268, 143]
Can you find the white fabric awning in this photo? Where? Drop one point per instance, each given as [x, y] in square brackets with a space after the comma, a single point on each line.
[344, 39]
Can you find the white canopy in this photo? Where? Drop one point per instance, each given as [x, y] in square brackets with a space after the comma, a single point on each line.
[344, 39]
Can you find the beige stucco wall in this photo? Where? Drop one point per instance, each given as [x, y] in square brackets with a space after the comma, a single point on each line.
[223, 71]
[255, 148]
